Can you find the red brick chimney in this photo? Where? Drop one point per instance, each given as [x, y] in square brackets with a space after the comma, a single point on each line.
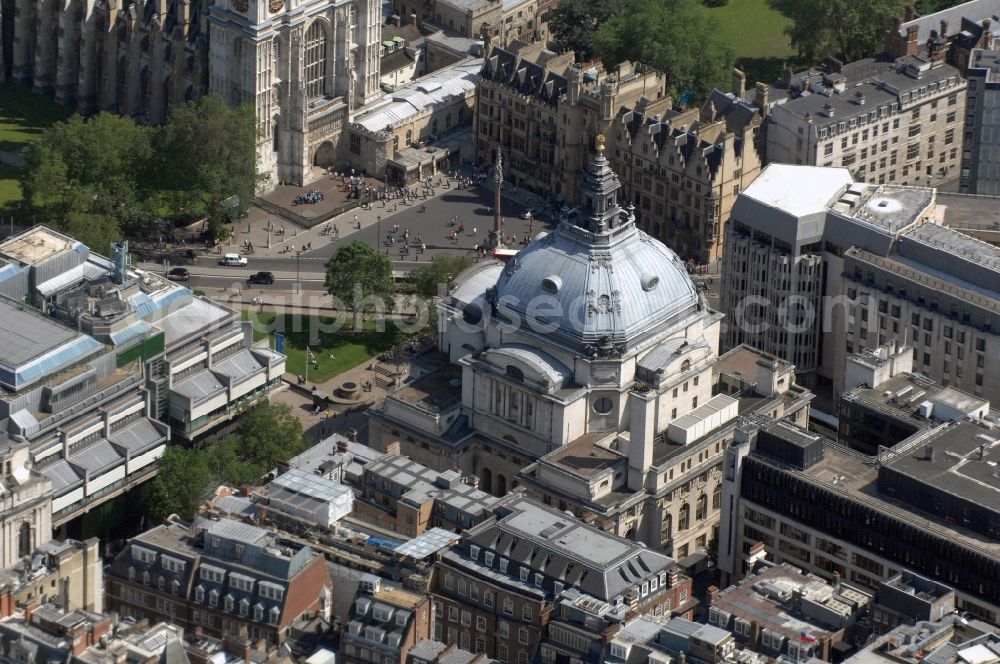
[713, 594]
[29, 610]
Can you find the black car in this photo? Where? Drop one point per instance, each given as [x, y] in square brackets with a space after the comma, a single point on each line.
[178, 274]
[261, 278]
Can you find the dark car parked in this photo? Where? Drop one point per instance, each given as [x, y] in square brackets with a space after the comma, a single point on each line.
[178, 274]
[261, 278]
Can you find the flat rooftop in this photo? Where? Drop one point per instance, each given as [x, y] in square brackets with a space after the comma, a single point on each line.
[35, 246]
[798, 190]
[583, 456]
[399, 597]
[957, 466]
[848, 471]
[742, 361]
[901, 395]
[434, 392]
[969, 211]
[27, 336]
[890, 207]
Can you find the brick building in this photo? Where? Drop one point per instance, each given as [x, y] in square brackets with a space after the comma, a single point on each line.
[221, 576]
[498, 590]
[385, 623]
[950, 34]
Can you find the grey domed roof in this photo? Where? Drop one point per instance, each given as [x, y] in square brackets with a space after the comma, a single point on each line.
[612, 286]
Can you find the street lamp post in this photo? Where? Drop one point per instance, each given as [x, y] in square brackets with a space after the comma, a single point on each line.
[378, 232]
[298, 283]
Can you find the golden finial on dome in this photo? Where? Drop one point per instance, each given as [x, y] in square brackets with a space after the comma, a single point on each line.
[600, 143]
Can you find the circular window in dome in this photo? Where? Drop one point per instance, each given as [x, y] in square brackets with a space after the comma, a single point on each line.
[603, 406]
[472, 314]
[552, 284]
[649, 281]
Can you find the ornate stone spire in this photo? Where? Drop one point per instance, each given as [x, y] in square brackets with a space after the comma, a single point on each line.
[496, 234]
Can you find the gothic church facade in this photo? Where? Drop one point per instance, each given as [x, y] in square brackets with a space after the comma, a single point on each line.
[304, 65]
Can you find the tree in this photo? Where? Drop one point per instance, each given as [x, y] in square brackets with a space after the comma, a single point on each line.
[44, 183]
[181, 483]
[925, 7]
[207, 153]
[439, 274]
[677, 37]
[268, 433]
[573, 22]
[85, 177]
[361, 278]
[848, 29]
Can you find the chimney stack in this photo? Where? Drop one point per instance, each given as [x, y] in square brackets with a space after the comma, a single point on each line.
[739, 82]
[393, 448]
[713, 594]
[944, 28]
[909, 13]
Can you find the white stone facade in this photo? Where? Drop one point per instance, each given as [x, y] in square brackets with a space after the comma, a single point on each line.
[304, 66]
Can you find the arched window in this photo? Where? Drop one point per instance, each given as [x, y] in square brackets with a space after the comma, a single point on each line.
[514, 373]
[683, 517]
[717, 497]
[668, 527]
[686, 365]
[315, 63]
[702, 508]
[24, 540]
[409, 136]
[486, 482]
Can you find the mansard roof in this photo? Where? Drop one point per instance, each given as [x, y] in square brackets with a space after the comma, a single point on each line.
[527, 77]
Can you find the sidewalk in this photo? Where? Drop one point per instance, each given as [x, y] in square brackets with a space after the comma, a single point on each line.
[275, 244]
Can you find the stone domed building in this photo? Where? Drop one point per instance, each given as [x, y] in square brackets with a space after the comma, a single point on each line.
[585, 369]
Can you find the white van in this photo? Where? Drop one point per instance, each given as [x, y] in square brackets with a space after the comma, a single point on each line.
[233, 259]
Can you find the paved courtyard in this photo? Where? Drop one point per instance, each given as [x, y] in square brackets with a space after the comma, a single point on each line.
[469, 206]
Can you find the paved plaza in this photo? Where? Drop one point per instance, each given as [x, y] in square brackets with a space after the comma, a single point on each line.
[470, 207]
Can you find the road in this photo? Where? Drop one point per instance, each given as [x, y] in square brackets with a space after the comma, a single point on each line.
[470, 207]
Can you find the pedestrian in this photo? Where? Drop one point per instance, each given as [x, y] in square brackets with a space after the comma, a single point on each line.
[473, 231]
[355, 218]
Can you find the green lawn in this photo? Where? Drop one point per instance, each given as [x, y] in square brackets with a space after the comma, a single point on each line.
[755, 30]
[24, 116]
[349, 349]
[10, 190]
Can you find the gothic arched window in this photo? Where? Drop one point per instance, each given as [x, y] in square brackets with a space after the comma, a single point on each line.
[315, 63]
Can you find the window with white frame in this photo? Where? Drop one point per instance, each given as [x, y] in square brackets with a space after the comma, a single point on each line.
[270, 590]
[508, 606]
[173, 565]
[143, 555]
[742, 627]
[522, 636]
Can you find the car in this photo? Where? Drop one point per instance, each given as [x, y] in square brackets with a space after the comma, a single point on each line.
[233, 259]
[178, 274]
[528, 213]
[261, 278]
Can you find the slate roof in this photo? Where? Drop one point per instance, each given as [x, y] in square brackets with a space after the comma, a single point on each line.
[523, 75]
